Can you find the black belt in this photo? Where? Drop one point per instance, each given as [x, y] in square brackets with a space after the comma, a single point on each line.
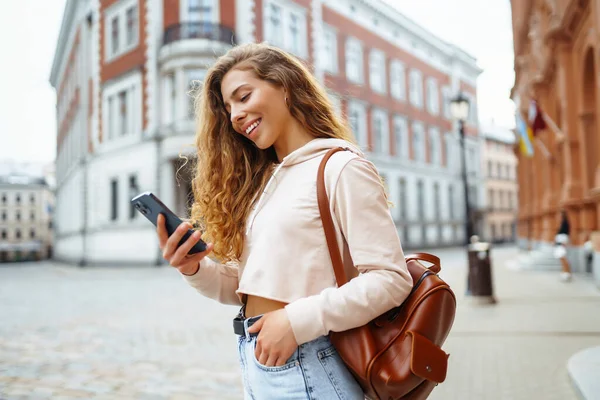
[238, 323]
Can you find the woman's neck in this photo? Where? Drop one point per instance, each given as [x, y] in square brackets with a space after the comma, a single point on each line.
[292, 139]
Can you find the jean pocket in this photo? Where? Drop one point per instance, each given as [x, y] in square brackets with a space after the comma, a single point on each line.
[291, 362]
[340, 377]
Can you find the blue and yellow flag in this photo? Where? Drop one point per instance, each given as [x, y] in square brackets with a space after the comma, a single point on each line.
[525, 136]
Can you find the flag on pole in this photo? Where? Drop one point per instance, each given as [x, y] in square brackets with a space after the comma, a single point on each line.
[536, 117]
[525, 136]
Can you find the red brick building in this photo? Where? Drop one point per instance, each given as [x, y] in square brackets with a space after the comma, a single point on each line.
[123, 70]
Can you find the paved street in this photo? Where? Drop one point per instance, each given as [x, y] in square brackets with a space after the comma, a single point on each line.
[142, 333]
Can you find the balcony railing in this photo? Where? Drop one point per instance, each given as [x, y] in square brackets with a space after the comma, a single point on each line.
[199, 30]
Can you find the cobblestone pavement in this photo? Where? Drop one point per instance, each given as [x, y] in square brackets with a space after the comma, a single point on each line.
[142, 333]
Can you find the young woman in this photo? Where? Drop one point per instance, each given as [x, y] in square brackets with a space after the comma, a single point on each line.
[264, 126]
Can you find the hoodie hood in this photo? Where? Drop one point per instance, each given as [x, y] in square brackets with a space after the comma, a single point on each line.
[315, 148]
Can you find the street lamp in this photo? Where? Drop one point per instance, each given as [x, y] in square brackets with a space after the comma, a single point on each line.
[459, 108]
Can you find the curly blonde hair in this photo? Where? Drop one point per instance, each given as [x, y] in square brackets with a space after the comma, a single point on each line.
[231, 171]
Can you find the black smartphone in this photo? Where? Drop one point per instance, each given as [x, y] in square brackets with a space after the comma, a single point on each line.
[150, 206]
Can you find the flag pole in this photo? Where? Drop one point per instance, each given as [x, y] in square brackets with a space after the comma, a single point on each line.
[553, 126]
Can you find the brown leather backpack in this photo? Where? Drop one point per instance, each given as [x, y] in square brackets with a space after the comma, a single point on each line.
[397, 355]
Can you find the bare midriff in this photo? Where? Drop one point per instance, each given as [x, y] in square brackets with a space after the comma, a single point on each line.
[259, 305]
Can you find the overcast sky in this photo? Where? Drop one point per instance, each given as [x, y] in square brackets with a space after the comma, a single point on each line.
[29, 29]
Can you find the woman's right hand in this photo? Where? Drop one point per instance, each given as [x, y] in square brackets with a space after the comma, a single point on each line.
[178, 256]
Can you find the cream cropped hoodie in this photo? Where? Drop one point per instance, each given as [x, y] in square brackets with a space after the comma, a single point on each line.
[286, 258]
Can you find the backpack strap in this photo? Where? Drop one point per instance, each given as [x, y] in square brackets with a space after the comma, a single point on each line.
[328, 226]
[330, 234]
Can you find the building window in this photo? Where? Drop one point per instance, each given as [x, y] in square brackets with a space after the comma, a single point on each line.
[32, 198]
[501, 200]
[433, 99]
[286, 27]
[121, 28]
[274, 25]
[295, 33]
[32, 233]
[122, 101]
[114, 33]
[4, 199]
[416, 88]
[18, 233]
[114, 200]
[421, 208]
[329, 56]
[123, 113]
[132, 26]
[418, 142]
[200, 11]
[397, 80]
[401, 136]
[3, 215]
[18, 198]
[489, 170]
[377, 71]
[434, 146]
[380, 132]
[3, 234]
[451, 202]
[133, 191]
[32, 216]
[357, 116]
[354, 60]
[18, 215]
[491, 198]
[402, 199]
[436, 204]
[446, 98]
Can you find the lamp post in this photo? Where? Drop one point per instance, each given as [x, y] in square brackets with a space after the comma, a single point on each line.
[459, 108]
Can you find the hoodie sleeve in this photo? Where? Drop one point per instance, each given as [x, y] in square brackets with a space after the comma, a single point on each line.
[362, 213]
[216, 281]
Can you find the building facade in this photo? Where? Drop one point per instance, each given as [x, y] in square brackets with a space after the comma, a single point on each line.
[556, 62]
[26, 206]
[123, 71]
[500, 165]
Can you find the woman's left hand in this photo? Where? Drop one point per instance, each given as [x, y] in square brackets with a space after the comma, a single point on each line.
[276, 342]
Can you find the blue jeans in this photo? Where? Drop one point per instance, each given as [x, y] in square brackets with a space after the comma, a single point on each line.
[314, 372]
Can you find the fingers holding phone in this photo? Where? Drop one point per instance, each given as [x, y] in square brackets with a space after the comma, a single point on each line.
[175, 252]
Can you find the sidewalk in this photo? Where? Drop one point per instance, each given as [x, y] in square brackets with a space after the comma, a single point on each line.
[518, 348]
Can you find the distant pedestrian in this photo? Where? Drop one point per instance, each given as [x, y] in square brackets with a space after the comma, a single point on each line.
[560, 246]
[265, 124]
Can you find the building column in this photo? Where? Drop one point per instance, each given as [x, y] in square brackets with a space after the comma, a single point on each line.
[571, 186]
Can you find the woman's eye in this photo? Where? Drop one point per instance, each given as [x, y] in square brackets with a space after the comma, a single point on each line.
[244, 97]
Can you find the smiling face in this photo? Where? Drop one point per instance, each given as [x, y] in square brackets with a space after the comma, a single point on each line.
[256, 107]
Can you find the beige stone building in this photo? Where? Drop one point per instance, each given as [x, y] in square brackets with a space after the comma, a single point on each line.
[501, 190]
[26, 206]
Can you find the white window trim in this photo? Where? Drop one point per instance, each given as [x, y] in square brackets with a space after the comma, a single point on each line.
[184, 12]
[404, 150]
[119, 10]
[398, 89]
[361, 133]
[377, 113]
[419, 153]
[416, 93]
[331, 65]
[377, 62]
[353, 43]
[288, 8]
[446, 97]
[433, 99]
[135, 105]
[434, 137]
